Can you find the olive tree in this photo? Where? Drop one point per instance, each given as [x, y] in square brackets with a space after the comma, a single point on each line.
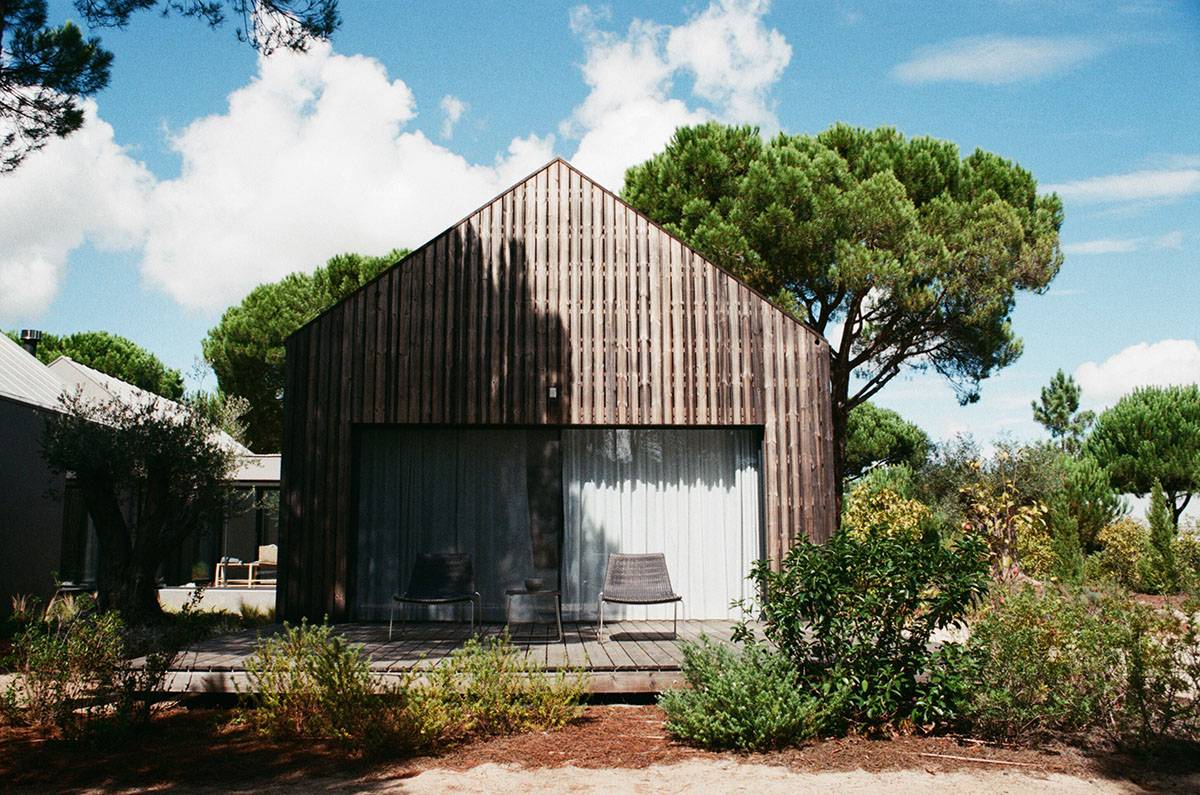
[148, 476]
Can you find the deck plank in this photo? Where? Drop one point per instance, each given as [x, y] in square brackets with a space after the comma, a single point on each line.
[636, 656]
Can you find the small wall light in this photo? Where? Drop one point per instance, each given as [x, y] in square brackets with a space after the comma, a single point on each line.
[554, 391]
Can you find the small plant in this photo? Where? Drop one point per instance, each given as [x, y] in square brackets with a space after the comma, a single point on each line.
[748, 700]
[1162, 573]
[488, 687]
[1124, 555]
[1015, 529]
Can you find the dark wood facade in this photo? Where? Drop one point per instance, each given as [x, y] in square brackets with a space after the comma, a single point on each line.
[555, 283]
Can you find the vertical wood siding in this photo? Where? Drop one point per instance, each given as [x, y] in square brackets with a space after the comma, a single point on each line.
[557, 282]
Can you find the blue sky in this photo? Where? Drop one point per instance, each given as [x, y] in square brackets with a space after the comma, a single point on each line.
[204, 171]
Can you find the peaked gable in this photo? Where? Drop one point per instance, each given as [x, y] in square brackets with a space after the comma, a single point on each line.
[554, 304]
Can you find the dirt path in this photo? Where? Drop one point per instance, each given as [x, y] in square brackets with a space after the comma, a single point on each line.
[708, 777]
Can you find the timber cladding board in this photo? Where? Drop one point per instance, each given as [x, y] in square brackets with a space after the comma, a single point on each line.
[554, 283]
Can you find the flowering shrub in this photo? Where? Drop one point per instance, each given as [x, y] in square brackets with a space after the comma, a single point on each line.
[883, 512]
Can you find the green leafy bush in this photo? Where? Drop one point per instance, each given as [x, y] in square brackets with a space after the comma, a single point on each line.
[73, 672]
[1123, 546]
[742, 700]
[309, 682]
[855, 618]
[312, 683]
[874, 511]
[488, 687]
[1052, 662]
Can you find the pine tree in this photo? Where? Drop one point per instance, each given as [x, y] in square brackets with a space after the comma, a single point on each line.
[1162, 536]
[1058, 411]
[1065, 543]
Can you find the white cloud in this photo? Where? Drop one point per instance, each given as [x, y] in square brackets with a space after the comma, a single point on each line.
[453, 109]
[1145, 364]
[315, 156]
[1169, 240]
[1134, 186]
[1105, 245]
[310, 159]
[1114, 245]
[996, 60]
[83, 188]
[732, 58]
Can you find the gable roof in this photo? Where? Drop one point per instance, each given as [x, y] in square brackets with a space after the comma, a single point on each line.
[419, 250]
[101, 388]
[25, 379]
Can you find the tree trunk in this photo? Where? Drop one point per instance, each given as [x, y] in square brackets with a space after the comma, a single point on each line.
[125, 582]
[840, 418]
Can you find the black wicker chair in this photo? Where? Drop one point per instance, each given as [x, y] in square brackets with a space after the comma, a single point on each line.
[439, 578]
[638, 580]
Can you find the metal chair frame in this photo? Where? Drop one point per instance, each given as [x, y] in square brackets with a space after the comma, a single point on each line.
[432, 592]
[660, 591]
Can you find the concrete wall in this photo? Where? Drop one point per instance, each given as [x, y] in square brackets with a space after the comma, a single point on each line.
[31, 514]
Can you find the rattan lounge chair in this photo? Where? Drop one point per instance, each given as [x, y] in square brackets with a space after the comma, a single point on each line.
[638, 580]
[439, 578]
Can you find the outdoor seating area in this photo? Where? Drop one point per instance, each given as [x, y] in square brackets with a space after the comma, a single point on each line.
[260, 572]
[635, 657]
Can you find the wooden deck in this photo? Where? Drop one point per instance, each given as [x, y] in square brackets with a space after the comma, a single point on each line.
[635, 657]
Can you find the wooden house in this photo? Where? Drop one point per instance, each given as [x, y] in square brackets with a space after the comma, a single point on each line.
[551, 379]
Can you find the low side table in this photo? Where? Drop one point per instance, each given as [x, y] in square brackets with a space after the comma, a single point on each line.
[511, 592]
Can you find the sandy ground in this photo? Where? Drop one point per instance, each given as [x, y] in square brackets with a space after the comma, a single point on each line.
[719, 776]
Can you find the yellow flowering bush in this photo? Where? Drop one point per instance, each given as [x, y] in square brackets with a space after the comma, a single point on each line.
[874, 512]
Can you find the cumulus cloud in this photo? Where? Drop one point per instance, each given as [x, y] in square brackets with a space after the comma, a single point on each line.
[310, 159]
[316, 155]
[996, 60]
[1146, 364]
[732, 58]
[453, 109]
[1134, 186]
[80, 189]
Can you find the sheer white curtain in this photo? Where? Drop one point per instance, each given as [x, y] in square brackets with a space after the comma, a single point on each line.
[692, 494]
[443, 490]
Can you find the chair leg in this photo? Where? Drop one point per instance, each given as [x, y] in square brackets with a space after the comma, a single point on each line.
[391, 618]
[600, 612]
[674, 620]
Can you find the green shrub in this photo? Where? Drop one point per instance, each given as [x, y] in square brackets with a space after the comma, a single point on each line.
[489, 687]
[1037, 665]
[1162, 574]
[1124, 548]
[881, 511]
[1065, 662]
[855, 618]
[309, 682]
[748, 700]
[73, 672]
